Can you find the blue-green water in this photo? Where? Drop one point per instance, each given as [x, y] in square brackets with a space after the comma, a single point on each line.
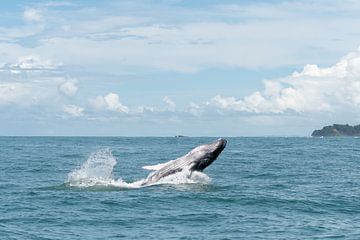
[260, 188]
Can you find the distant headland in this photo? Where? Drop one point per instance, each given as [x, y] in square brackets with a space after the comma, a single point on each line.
[337, 130]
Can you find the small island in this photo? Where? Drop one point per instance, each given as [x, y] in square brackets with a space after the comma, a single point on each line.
[338, 130]
[180, 136]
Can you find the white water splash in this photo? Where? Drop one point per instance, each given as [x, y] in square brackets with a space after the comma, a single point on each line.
[99, 165]
[185, 177]
[98, 171]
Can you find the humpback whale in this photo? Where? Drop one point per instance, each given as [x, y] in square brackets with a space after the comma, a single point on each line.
[196, 160]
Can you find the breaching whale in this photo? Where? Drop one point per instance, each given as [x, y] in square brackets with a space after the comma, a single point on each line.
[196, 160]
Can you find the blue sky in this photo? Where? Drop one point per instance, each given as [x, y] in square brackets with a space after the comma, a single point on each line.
[162, 68]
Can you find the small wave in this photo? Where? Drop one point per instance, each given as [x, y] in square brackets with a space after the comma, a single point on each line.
[97, 171]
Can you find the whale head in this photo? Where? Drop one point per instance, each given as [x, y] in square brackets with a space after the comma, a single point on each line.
[202, 156]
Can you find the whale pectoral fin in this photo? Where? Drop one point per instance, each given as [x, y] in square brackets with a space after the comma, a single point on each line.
[157, 166]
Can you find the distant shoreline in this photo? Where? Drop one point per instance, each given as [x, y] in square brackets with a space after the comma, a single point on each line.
[338, 130]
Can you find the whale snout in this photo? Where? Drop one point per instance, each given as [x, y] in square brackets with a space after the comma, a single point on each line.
[222, 142]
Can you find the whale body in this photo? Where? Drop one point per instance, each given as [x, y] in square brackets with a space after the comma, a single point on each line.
[196, 160]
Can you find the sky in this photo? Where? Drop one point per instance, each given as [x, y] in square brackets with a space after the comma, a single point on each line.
[173, 67]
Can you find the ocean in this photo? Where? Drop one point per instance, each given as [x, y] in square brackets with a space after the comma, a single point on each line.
[258, 188]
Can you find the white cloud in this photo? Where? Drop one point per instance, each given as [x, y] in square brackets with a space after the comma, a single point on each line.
[110, 102]
[12, 93]
[20, 94]
[145, 109]
[36, 88]
[33, 62]
[154, 110]
[32, 15]
[29, 63]
[170, 104]
[68, 88]
[195, 109]
[73, 110]
[314, 89]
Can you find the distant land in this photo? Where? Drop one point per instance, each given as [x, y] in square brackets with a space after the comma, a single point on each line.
[180, 136]
[337, 130]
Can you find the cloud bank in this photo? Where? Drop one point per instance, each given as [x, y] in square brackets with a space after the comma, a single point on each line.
[247, 35]
[314, 89]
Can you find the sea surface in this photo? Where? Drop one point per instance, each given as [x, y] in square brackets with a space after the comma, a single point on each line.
[258, 188]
